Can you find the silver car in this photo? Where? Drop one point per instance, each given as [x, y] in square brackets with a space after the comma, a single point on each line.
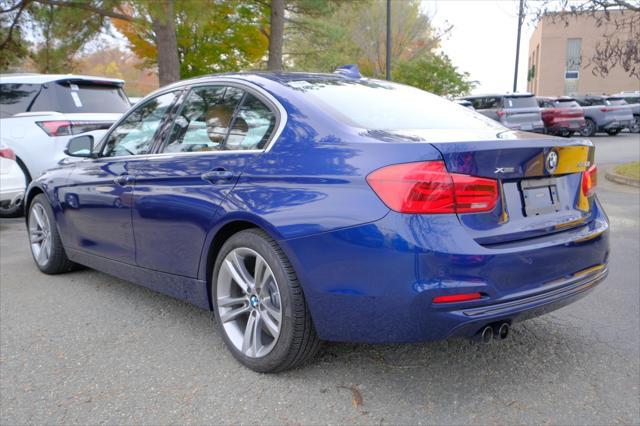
[518, 111]
[633, 99]
[608, 114]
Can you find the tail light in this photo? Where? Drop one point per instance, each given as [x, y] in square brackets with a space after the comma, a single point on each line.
[501, 113]
[460, 297]
[605, 109]
[66, 128]
[7, 153]
[427, 187]
[590, 181]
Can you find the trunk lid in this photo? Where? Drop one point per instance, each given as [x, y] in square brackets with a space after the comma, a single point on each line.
[536, 198]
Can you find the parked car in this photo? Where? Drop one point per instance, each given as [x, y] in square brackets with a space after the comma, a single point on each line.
[633, 99]
[39, 113]
[464, 103]
[562, 116]
[12, 180]
[306, 207]
[608, 114]
[518, 111]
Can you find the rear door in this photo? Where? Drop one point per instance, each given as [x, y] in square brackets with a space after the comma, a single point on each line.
[521, 112]
[217, 132]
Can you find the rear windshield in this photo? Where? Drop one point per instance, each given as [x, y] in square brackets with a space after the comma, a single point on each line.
[632, 100]
[569, 103]
[16, 98]
[380, 105]
[520, 102]
[68, 97]
[616, 102]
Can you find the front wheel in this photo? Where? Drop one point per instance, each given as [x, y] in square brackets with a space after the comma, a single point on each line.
[46, 245]
[259, 305]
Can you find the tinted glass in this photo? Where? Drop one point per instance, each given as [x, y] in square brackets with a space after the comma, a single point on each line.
[203, 121]
[16, 98]
[252, 125]
[70, 97]
[616, 102]
[520, 102]
[381, 105]
[596, 101]
[134, 135]
[566, 104]
[632, 100]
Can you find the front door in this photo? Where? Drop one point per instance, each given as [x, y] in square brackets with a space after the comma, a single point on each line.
[217, 132]
[98, 198]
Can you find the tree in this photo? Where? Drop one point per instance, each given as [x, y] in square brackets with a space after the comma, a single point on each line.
[13, 45]
[353, 32]
[211, 36]
[620, 46]
[434, 73]
[276, 35]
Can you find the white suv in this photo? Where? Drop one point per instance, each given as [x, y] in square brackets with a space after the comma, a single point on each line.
[39, 113]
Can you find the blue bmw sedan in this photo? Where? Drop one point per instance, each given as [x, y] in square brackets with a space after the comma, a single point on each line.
[307, 207]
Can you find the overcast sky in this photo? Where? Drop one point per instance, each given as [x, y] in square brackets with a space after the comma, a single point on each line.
[483, 40]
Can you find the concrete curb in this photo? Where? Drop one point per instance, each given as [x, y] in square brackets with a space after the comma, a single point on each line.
[611, 175]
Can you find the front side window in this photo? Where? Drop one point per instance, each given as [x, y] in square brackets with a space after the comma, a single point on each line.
[134, 135]
[204, 120]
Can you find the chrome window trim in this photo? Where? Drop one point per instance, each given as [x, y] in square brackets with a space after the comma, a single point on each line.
[281, 116]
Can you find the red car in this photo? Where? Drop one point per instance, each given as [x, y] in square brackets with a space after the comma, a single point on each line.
[562, 116]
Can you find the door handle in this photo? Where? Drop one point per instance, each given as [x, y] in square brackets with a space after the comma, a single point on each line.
[217, 175]
[123, 180]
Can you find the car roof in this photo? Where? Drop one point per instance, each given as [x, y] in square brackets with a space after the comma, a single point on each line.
[47, 78]
[500, 95]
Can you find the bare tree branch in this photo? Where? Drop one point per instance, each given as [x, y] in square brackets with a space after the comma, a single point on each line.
[90, 8]
[13, 24]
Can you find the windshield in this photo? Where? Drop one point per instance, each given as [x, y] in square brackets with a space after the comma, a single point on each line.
[69, 97]
[566, 104]
[520, 102]
[380, 105]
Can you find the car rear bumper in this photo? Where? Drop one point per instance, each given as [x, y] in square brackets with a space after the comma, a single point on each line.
[376, 282]
[568, 125]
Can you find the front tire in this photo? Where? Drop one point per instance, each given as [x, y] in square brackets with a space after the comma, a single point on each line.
[46, 245]
[259, 305]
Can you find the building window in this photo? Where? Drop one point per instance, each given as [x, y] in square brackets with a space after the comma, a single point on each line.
[572, 66]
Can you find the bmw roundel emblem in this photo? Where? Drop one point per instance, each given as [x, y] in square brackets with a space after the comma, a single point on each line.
[551, 162]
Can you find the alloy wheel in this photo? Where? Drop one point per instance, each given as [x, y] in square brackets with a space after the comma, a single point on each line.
[249, 303]
[40, 234]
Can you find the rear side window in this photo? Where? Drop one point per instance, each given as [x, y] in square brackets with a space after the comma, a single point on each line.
[252, 125]
[16, 98]
[67, 97]
[616, 101]
[205, 118]
[520, 102]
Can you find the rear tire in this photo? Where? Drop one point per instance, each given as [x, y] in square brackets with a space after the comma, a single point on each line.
[589, 128]
[267, 325]
[635, 126]
[46, 245]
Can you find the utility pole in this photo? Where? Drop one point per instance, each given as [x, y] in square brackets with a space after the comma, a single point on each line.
[388, 61]
[520, 19]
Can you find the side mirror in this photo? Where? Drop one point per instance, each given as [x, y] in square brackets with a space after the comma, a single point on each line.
[80, 146]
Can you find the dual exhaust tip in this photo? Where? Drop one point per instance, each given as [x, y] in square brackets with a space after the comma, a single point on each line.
[498, 331]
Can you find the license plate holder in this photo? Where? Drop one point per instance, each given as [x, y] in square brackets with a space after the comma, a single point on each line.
[540, 196]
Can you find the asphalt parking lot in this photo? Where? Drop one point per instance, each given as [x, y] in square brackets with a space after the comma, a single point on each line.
[86, 348]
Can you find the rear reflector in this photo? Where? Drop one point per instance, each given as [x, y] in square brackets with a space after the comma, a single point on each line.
[590, 181]
[8, 153]
[427, 187]
[462, 297]
[66, 128]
